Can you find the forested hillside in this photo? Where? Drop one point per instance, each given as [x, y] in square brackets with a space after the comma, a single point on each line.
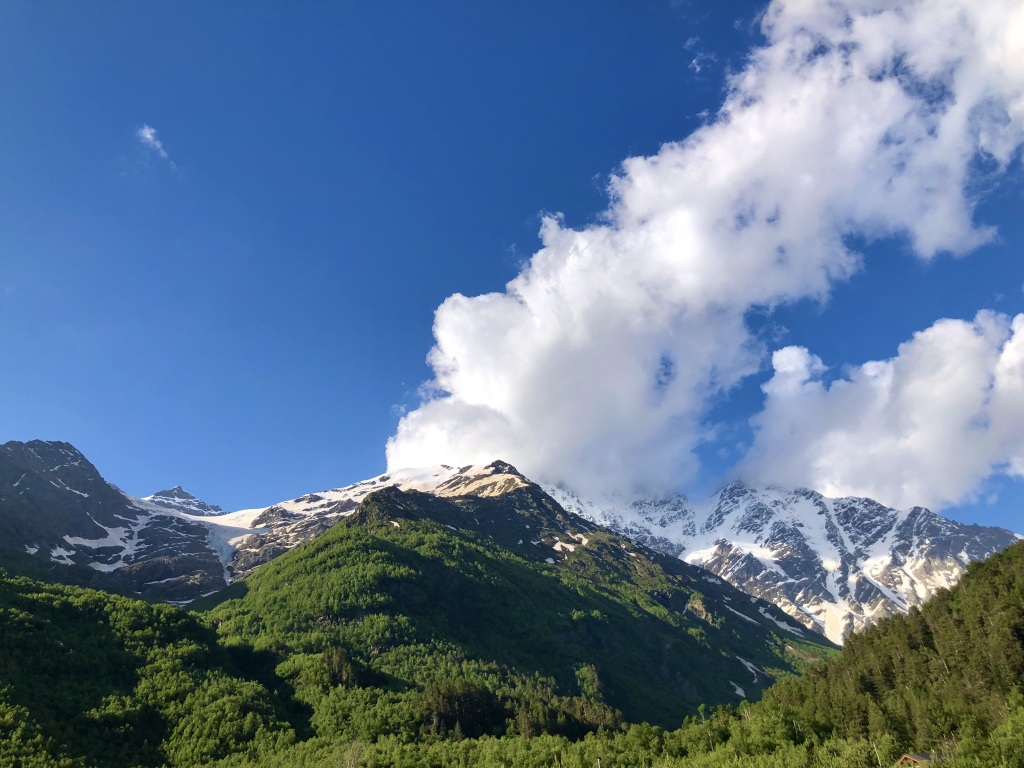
[416, 597]
[946, 680]
[92, 679]
[411, 622]
[404, 637]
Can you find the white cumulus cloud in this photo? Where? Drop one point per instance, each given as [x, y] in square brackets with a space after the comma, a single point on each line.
[925, 427]
[596, 366]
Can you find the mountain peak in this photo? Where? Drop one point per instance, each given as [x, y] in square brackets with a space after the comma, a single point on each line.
[177, 492]
[495, 479]
[503, 467]
[178, 499]
[53, 454]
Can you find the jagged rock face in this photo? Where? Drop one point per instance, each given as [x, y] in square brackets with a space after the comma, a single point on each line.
[49, 491]
[55, 505]
[835, 565]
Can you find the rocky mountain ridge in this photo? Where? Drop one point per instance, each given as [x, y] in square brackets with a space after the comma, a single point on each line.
[835, 565]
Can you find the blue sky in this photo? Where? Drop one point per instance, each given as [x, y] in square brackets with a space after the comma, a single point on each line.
[245, 307]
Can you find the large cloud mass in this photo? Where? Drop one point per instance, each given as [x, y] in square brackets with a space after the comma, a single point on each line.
[921, 428]
[597, 364]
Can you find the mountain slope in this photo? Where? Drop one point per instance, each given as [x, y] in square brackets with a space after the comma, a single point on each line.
[835, 565]
[414, 584]
[55, 506]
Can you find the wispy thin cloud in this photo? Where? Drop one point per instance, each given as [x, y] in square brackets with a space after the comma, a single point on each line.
[700, 61]
[701, 57]
[147, 136]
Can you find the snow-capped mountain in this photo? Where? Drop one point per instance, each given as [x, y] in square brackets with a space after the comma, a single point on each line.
[835, 565]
